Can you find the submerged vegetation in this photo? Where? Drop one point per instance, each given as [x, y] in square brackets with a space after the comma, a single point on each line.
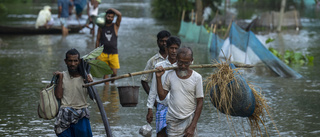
[290, 56]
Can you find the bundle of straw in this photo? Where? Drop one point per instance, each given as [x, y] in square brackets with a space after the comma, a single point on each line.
[224, 99]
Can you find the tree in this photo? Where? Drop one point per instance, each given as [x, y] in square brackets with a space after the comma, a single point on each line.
[164, 9]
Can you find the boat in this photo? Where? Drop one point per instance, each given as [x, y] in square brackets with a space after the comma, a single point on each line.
[31, 30]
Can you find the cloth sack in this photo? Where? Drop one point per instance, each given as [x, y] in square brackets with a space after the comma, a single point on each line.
[100, 19]
[48, 106]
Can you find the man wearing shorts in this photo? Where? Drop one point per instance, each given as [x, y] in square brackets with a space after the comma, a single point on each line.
[107, 37]
[63, 14]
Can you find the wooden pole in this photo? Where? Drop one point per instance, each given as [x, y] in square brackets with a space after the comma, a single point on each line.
[296, 19]
[211, 28]
[202, 22]
[195, 21]
[216, 14]
[283, 5]
[225, 36]
[155, 70]
[199, 10]
[183, 14]
[214, 28]
[192, 12]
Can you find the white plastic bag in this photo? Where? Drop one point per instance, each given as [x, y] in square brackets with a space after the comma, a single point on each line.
[146, 130]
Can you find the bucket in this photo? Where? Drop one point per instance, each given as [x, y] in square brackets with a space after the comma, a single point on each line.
[129, 95]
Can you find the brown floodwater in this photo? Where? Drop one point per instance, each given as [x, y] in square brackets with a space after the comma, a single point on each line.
[28, 61]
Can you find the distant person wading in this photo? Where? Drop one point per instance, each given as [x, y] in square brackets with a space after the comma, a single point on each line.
[107, 37]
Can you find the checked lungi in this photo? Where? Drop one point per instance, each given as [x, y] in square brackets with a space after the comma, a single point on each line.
[161, 117]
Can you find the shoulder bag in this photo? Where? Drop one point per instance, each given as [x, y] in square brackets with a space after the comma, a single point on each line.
[48, 106]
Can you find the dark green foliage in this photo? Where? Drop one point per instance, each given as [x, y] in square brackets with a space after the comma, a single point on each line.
[3, 9]
[164, 9]
[99, 68]
[269, 40]
[172, 9]
[274, 4]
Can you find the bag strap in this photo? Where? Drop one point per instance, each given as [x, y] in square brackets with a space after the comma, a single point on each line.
[53, 80]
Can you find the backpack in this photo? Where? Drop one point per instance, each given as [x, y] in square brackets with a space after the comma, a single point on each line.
[48, 106]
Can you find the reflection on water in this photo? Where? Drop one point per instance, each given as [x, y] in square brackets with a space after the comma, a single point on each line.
[28, 60]
[110, 95]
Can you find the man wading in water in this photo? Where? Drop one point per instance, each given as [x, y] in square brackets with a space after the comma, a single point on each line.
[186, 95]
[73, 117]
[162, 37]
[107, 37]
[173, 44]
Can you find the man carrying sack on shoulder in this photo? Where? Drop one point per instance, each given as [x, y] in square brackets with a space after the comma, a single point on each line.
[73, 117]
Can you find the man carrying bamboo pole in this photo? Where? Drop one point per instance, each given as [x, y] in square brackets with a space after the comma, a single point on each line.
[186, 95]
[162, 37]
[173, 44]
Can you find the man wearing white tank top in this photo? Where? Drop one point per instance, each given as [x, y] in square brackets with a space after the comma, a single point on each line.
[92, 11]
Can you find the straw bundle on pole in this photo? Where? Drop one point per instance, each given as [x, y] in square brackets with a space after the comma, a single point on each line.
[224, 81]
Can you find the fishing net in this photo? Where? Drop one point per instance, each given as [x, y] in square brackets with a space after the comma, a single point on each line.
[183, 28]
[214, 45]
[191, 32]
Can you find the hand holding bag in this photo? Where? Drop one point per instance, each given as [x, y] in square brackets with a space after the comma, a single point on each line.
[48, 106]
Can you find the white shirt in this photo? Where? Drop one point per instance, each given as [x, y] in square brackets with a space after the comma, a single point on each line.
[183, 94]
[43, 17]
[93, 11]
[153, 94]
[206, 13]
[150, 65]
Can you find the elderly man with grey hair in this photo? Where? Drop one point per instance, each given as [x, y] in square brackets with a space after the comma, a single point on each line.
[186, 95]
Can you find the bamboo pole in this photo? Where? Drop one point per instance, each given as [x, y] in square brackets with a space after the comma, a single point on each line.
[296, 20]
[214, 28]
[183, 14]
[225, 36]
[202, 22]
[216, 14]
[192, 12]
[195, 21]
[155, 70]
[283, 6]
[211, 28]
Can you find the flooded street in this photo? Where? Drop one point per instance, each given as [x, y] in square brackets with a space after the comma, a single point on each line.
[28, 60]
